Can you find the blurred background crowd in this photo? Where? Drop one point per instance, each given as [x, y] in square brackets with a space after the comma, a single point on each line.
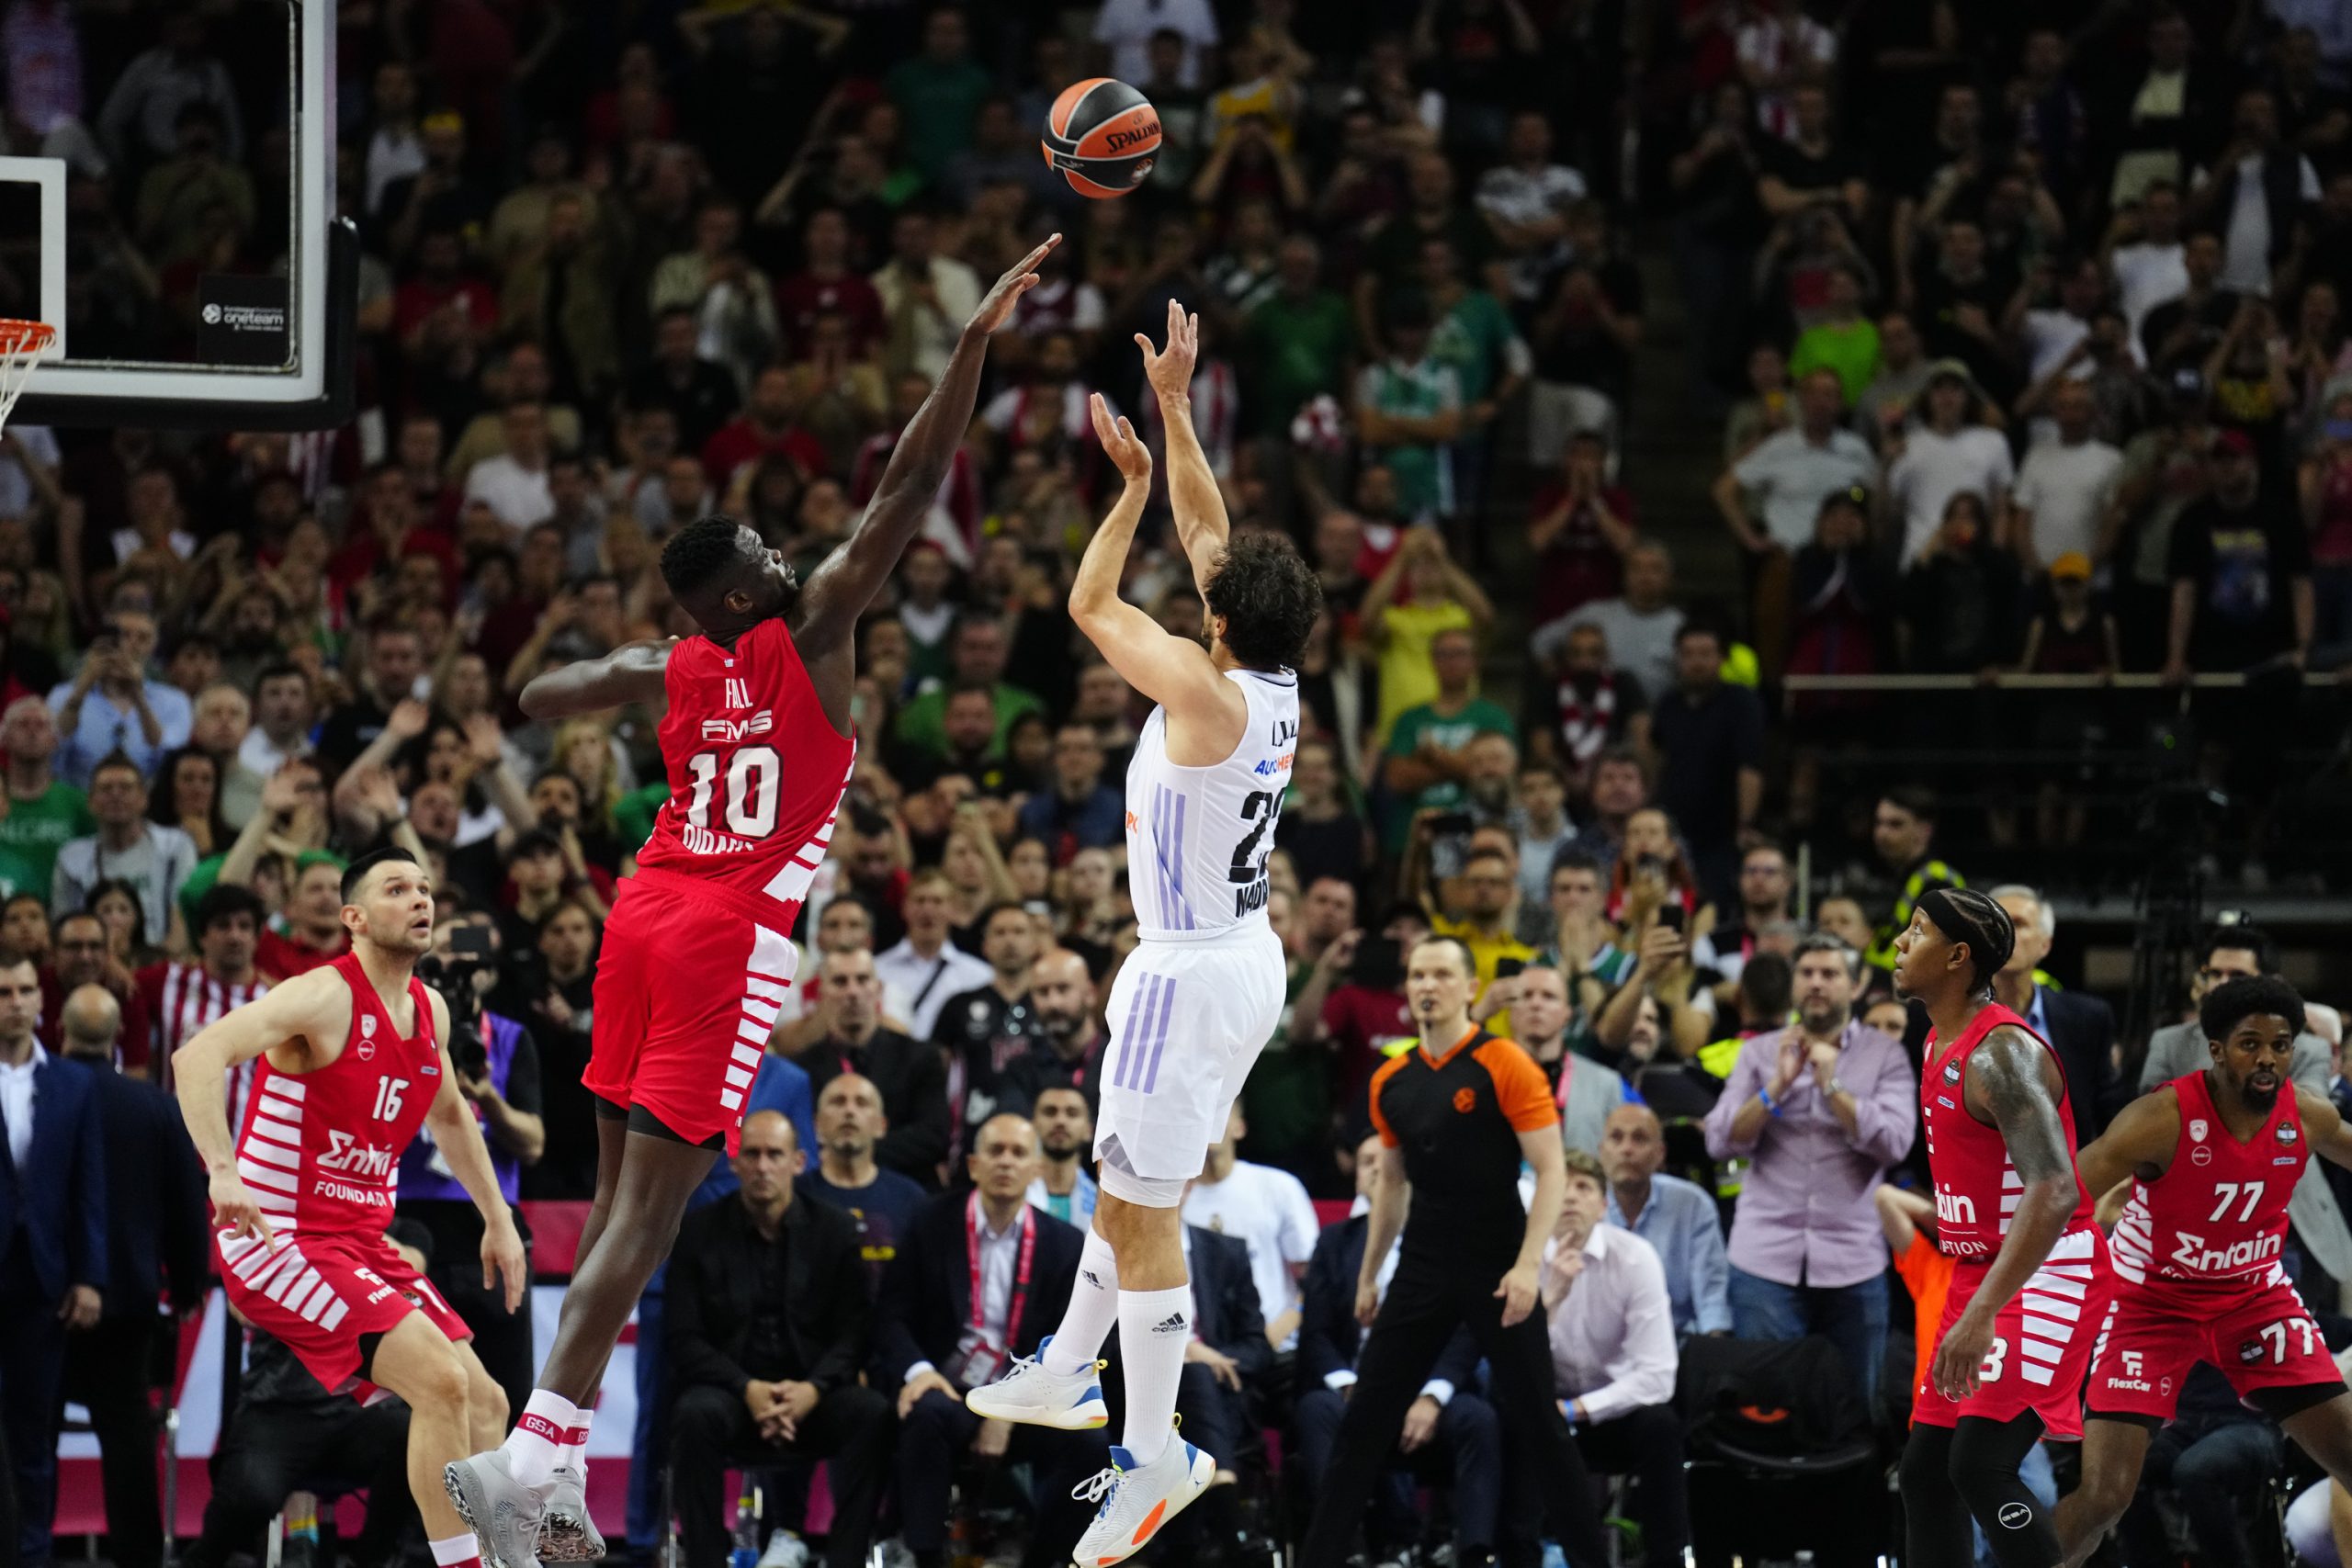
[1764, 460]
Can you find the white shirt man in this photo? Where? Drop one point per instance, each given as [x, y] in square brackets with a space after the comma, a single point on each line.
[1125, 28]
[1935, 467]
[1789, 475]
[1612, 1334]
[518, 495]
[1267, 1209]
[2063, 491]
[928, 979]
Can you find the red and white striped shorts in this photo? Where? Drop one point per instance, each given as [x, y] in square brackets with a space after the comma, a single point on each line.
[2041, 1341]
[321, 1293]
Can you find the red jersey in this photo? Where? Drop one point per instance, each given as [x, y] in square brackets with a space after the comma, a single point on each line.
[321, 1150]
[1977, 1188]
[2219, 1211]
[756, 774]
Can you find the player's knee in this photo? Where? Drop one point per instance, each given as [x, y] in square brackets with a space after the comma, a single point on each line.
[440, 1383]
[485, 1401]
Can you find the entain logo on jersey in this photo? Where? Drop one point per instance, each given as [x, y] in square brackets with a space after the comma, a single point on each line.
[349, 1155]
[2194, 1257]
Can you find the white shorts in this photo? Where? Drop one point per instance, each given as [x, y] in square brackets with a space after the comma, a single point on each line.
[1187, 1021]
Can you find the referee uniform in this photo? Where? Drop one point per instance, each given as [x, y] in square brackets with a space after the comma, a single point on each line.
[1455, 1118]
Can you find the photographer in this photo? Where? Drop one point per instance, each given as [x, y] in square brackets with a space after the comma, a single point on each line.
[498, 1072]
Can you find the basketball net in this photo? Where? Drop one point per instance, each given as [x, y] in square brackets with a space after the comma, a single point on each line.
[21, 344]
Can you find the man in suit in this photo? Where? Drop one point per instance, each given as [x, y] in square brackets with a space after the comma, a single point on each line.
[2079, 1027]
[154, 1232]
[932, 1342]
[1449, 1433]
[53, 1242]
[909, 1075]
[1226, 1357]
[2231, 953]
[767, 1309]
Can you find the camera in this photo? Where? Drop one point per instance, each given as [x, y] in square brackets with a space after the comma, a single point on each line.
[454, 974]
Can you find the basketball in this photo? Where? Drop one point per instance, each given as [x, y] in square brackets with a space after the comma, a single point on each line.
[1104, 136]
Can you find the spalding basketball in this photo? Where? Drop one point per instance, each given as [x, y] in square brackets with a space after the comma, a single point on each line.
[1104, 136]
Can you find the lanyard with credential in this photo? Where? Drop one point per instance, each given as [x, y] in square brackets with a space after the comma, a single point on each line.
[972, 1224]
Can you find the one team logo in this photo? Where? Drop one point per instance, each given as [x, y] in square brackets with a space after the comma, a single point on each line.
[2197, 1131]
[2286, 1134]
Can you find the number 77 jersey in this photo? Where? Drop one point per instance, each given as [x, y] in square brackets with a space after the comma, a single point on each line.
[1198, 838]
[2197, 1259]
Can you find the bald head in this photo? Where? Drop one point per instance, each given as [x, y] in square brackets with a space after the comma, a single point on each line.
[1003, 1157]
[767, 1159]
[92, 1020]
[1633, 1145]
[1062, 990]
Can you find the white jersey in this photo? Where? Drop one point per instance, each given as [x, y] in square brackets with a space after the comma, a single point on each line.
[1198, 837]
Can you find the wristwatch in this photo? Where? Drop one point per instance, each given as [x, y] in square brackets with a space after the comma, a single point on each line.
[1837, 1086]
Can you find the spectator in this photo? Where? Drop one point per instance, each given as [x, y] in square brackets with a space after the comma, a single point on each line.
[1268, 1211]
[2261, 189]
[925, 968]
[1298, 341]
[1710, 740]
[1442, 598]
[698, 394]
[81, 959]
[1903, 832]
[1450, 1432]
[981, 649]
[1526, 200]
[986, 1030]
[1620, 788]
[1065, 1123]
[1080, 811]
[932, 1342]
[1410, 410]
[183, 998]
[150, 859]
[768, 1322]
[1790, 473]
[1820, 1109]
[2079, 1027]
[1677, 1218]
[1321, 829]
[2182, 332]
[1950, 452]
[1579, 530]
[112, 707]
[1586, 708]
[1583, 337]
[1839, 339]
[395, 660]
[1428, 744]
[1067, 1051]
[1639, 625]
[2066, 488]
[926, 297]
[1611, 1331]
[882, 1203]
[44, 811]
[1960, 592]
[768, 427]
[155, 1233]
[1587, 1092]
[911, 1078]
[53, 1273]
[1228, 1357]
[1540, 822]
[1901, 376]
[2241, 573]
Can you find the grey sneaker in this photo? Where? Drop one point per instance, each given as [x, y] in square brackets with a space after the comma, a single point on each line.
[504, 1512]
[566, 1532]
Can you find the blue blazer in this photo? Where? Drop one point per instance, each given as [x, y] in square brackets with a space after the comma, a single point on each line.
[59, 1197]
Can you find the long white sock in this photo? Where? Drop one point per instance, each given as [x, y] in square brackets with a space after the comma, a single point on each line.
[1154, 1328]
[457, 1550]
[540, 1432]
[1094, 1308]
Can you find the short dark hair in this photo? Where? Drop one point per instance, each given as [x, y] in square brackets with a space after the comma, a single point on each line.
[279, 671]
[2233, 1001]
[1269, 597]
[2242, 937]
[1571, 860]
[1766, 987]
[225, 901]
[1982, 926]
[1002, 906]
[114, 760]
[1823, 941]
[1916, 799]
[1469, 959]
[27, 897]
[355, 873]
[698, 553]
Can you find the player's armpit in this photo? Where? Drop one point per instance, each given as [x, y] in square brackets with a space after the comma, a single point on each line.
[2005, 1071]
[633, 673]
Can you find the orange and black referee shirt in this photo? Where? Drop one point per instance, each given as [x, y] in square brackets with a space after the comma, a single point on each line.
[1457, 1117]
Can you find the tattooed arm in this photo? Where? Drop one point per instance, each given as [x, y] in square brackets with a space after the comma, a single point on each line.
[2008, 1083]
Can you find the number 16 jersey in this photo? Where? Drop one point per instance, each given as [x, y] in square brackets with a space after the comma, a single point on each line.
[1198, 838]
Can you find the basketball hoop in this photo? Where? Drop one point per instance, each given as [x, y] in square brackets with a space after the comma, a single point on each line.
[22, 343]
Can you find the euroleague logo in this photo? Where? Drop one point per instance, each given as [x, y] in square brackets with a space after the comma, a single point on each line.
[1466, 1101]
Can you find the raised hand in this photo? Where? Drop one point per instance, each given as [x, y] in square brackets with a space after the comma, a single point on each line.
[997, 309]
[1169, 370]
[1119, 439]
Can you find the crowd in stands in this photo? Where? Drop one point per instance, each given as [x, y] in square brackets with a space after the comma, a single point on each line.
[2026, 331]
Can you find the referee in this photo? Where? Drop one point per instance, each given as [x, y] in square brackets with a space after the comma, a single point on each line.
[1456, 1115]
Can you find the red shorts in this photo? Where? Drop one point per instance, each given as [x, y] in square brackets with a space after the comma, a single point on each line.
[320, 1293]
[2041, 1342]
[2260, 1335]
[686, 996]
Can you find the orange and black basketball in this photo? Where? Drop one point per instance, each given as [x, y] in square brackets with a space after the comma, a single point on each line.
[1104, 136]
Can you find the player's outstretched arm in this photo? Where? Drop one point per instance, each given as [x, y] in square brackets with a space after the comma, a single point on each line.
[2138, 1142]
[458, 1135]
[1202, 526]
[312, 1007]
[839, 590]
[633, 673]
[2005, 1075]
[1172, 670]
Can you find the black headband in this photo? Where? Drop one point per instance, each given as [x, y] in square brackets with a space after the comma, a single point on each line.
[1965, 915]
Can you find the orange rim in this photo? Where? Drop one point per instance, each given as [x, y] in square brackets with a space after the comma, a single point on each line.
[25, 337]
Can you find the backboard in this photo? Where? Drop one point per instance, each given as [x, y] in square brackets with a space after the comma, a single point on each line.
[172, 214]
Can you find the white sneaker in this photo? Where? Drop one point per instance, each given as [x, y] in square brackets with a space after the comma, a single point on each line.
[504, 1512]
[566, 1532]
[1032, 1396]
[786, 1550]
[1137, 1500]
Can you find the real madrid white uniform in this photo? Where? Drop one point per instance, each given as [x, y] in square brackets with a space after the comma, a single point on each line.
[1202, 992]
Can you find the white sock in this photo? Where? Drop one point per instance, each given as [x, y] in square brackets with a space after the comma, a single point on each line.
[1094, 1308]
[457, 1550]
[540, 1435]
[574, 1455]
[1154, 1328]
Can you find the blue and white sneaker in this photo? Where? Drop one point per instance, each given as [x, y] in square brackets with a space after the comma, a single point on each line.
[1032, 1396]
[1137, 1500]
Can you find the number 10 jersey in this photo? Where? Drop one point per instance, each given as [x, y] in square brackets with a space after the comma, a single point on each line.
[1198, 838]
